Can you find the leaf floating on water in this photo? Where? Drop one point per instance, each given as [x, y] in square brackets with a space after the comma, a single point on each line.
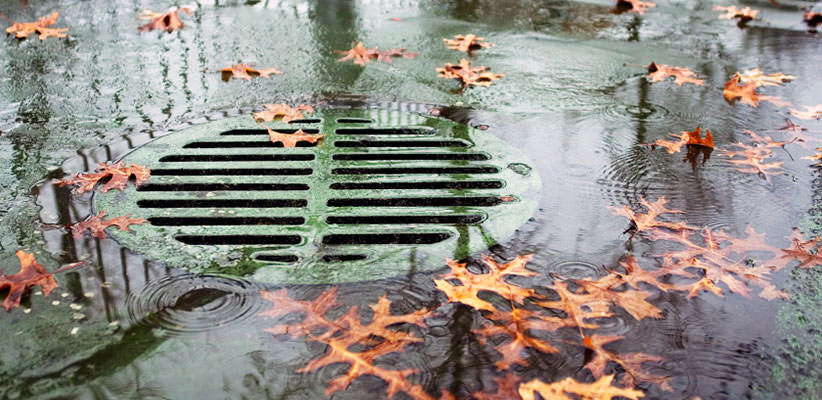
[644, 222]
[467, 43]
[743, 14]
[117, 174]
[636, 6]
[631, 363]
[245, 71]
[361, 55]
[31, 274]
[810, 112]
[291, 139]
[658, 72]
[686, 138]
[22, 30]
[569, 389]
[468, 75]
[168, 21]
[96, 225]
[746, 92]
[284, 111]
[756, 75]
[494, 281]
[804, 251]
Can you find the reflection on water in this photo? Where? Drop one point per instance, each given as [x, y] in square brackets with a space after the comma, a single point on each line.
[574, 100]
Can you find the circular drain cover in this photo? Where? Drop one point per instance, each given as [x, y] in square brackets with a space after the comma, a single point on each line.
[384, 193]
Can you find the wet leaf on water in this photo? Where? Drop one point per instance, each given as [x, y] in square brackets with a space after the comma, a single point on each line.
[386, 55]
[812, 19]
[245, 71]
[468, 75]
[743, 14]
[804, 251]
[467, 292]
[631, 363]
[506, 389]
[751, 159]
[168, 21]
[22, 30]
[746, 92]
[291, 139]
[686, 138]
[347, 332]
[284, 111]
[658, 72]
[756, 75]
[644, 222]
[810, 112]
[636, 6]
[569, 389]
[117, 174]
[96, 225]
[31, 274]
[361, 55]
[514, 324]
[467, 43]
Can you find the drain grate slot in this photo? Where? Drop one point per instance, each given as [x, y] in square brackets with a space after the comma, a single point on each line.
[386, 238]
[246, 132]
[336, 258]
[417, 185]
[415, 170]
[386, 131]
[204, 221]
[412, 156]
[241, 145]
[239, 239]
[202, 187]
[400, 143]
[406, 219]
[354, 121]
[236, 157]
[223, 203]
[305, 121]
[230, 171]
[281, 258]
[417, 202]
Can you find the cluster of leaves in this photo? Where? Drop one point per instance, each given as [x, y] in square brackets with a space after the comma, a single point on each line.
[22, 30]
[115, 176]
[463, 71]
[287, 114]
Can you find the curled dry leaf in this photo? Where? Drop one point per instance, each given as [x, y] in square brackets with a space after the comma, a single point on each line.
[569, 389]
[467, 43]
[686, 138]
[347, 335]
[31, 274]
[291, 139]
[636, 6]
[288, 113]
[96, 225]
[743, 14]
[22, 30]
[117, 174]
[468, 75]
[168, 21]
[658, 72]
[810, 112]
[245, 71]
[746, 92]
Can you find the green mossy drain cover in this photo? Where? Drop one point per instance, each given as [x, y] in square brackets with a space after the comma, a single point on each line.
[385, 193]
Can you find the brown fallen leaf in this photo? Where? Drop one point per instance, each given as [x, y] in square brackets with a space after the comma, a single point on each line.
[686, 138]
[288, 113]
[631, 363]
[644, 222]
[467, 292]
[804, 251]
[467, 43]
[22, 30]
[564, 389]
[385, 56]
[117, 174]
[245, 71]
[658, 72]
[291, 139]
[96, 225]
[358, 54]
[468, 75]
[636, 6]
[751, 159]
[811, 112]
[168, 21]
[506, 389]
[746, 93]
[756, 75]
[31, 274]
[743, 14]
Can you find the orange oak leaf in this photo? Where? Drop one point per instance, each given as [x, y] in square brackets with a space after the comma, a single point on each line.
[686, 138]
[22, 30]
[385, 55]
[291, 139]
[31, 274]
[117, 175]
[631, 363]
[494, 281]
[658, 72]
[345, 336]
[751, 159]
[743, 14]
[514, 324]
[804, 251]
[569, 389]
[506, 389]
[798, 134]
[358, 54]
[746, 93]
[168, 21]
[636, 6]
[245, 71]
[814, 112]
[756, 75]
[96, 225]
[643, 222]
[468, 75]
[288, 113]
[467, 43]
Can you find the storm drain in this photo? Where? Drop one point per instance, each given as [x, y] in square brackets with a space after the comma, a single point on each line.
[386, 192]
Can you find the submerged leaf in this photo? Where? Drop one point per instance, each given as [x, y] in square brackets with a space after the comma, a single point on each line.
[31, 274]
[658, 72]
[564, 389]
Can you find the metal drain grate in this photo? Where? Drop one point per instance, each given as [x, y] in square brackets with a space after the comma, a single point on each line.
[386, 192]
